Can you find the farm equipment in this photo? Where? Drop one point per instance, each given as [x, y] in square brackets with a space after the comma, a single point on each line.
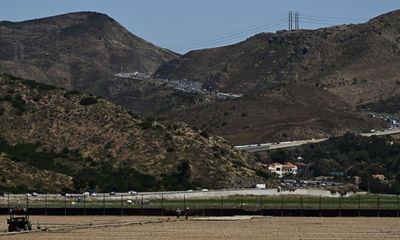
[19, 220]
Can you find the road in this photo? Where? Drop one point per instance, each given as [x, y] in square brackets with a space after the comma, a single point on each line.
[272, 146]
[171, 195]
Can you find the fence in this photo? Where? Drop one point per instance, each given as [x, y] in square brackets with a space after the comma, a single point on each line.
[161, 203]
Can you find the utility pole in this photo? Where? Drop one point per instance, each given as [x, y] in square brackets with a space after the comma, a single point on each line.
[290, 27]
[296, 21]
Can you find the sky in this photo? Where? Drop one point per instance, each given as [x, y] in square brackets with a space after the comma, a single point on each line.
[183, 25]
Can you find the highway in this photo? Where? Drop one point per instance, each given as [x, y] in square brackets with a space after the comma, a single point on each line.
[279, 145]
[21, 199]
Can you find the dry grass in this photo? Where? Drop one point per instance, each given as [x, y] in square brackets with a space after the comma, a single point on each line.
[214, 228]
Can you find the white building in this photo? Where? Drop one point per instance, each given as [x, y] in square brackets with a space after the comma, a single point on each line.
[283, 169]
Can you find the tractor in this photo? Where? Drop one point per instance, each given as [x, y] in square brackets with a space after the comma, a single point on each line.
[19, 220]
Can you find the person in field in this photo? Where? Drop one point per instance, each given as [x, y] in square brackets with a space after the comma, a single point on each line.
[187, 211]
[178, 213]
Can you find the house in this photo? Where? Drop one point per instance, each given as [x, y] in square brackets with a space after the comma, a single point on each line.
[379, 177]
[283, 169]
[301, 167]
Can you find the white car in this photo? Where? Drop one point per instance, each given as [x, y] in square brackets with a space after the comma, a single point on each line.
[132, 192]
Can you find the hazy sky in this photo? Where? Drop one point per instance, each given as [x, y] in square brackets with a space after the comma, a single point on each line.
[182, 25]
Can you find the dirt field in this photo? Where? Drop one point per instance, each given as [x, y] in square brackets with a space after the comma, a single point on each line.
[211, 228]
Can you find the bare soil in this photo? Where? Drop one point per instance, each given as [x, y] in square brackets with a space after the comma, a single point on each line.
[214, 228]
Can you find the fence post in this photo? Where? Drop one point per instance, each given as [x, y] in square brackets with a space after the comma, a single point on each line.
[184, 201]
[27, 202]
[359, 205]
[45, 205]
[122, 205]
[162, 204]
[320, 203]
[379, 207]
[301, 205]
[8, 201]
[84, 205]
[141, 210]
[65, 205]
[222, 205]
[104, 204]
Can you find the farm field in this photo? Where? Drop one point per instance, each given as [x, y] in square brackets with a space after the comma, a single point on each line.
[211, 228]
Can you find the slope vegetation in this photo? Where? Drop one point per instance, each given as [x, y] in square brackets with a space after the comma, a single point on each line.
[86, 142]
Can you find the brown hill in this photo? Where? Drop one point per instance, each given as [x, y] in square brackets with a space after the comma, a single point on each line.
[75, 50]
[298, 83]
[356, 62]
[84, 141]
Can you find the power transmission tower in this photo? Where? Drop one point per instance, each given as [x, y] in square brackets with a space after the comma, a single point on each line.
[296, 21]
[290, 28]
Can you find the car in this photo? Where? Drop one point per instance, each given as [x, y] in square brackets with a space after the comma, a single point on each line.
[113, 193]
[35, 194]
[28, 194]
[204, 190]
[132, 192]
[189, 190]
[86, 194]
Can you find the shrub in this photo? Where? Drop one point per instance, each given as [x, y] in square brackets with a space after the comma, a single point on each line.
[32, 84]
[16, 101]
[88, 101]
[170, 149]
[147, 123]
[204, 134]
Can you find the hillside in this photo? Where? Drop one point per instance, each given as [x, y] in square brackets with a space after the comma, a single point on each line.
[356, 62]
[82, 141]
[298, 84]
[355, 156]
[303, 73]
[75, 51]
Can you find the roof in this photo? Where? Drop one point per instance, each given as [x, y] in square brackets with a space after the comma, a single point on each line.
[289, 165]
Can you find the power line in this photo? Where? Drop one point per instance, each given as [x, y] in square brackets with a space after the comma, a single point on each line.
[322, 20]
[228, 34]
[217, 36]
[230, 39]
[277, 22]
[331, 17]
[233, 36]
